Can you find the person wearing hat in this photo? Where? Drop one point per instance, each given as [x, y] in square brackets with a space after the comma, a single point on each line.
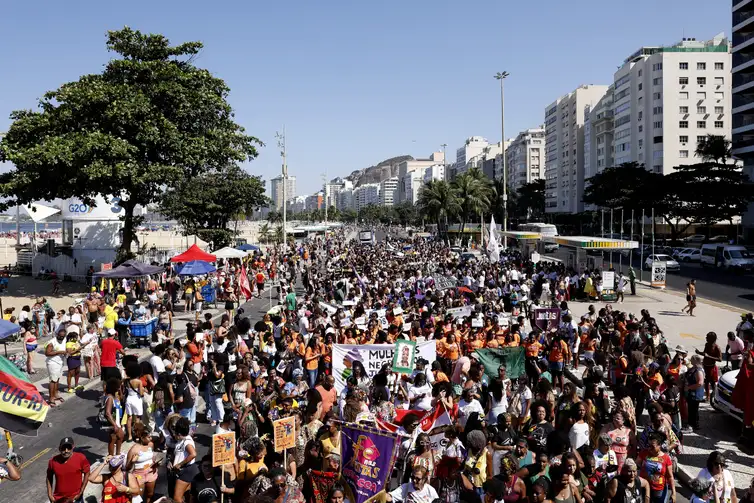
[67, 474]
[110, 348]
[118, 486]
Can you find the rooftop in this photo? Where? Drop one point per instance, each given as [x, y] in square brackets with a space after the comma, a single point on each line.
[719, 43]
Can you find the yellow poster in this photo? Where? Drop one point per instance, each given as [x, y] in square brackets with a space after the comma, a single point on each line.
[285, 433]
[223, 448]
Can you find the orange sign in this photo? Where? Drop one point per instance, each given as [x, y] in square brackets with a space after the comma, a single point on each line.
[106, 266]
[285, 433]
[223, 449]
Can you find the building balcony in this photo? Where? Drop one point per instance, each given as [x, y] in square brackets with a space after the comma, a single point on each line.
[742, 19]
[742, 60]
[743, 40]
[743, 123]
[739, 4]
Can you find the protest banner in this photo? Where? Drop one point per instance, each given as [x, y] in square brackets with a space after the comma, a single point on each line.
[223, 449]
[511, 358]
[321, 483]
[285, 433]
[444, 282]
[403, 357]
[368, 456]
[459, 312]
[373, 357]
[547, 318]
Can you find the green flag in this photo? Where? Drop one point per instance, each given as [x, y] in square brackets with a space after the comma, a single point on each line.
[511, 358]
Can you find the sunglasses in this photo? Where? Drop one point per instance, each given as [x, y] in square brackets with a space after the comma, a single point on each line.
[417, 479]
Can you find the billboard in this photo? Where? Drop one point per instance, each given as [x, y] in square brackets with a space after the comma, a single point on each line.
[103, 209]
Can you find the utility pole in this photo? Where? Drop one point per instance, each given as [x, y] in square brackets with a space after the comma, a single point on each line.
[501, 77]
[281, 144]
[444, 160]
[324, 187]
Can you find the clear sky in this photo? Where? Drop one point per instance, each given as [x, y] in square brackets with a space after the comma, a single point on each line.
[356, 82]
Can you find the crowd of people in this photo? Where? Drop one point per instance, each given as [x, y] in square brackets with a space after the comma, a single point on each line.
[567, 427]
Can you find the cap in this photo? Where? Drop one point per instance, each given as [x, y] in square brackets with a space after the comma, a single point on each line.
[681, 349]
[111, 331]
[116, 461]
[137, 303]
[66, 441]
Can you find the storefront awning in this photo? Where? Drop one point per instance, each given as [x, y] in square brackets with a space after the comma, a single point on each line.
[592, 243]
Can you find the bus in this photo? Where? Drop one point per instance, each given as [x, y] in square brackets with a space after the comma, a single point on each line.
[546, 230]
[366, 237]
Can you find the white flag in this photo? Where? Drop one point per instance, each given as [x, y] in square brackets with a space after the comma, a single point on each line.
[493, 248]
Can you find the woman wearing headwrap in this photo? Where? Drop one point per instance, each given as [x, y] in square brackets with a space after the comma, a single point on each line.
[477, 467]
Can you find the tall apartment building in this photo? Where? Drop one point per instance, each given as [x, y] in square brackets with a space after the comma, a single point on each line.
[598, 136]
[405, 169]
[345, 199]
[472, 147]
[276, 190]
[315, 201]
[435, 172]
[525, 158]
[366, 195]
[389, 191]
[665, 99]
[296, 205]
[564, 145]
[742, 68]
[332, 188]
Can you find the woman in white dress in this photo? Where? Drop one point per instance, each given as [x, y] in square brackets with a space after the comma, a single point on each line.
[720, 477]
[89, 344]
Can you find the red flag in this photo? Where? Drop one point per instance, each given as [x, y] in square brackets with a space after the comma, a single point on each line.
[243, 282]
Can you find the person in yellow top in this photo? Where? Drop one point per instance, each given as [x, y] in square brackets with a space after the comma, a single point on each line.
[251, 459]
[111, 317]
[331, 440]
[73, 349]
[121, 299]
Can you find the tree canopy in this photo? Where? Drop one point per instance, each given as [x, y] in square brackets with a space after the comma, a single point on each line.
[147, 123]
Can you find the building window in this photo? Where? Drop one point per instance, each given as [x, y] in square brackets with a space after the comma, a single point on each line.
[701, 110]
[657, 139]
[718, 124]
[719, 110]
[640, 72]
[656, 110]
[657, 168]
[640, 100]
[641, 143]
[657, 96]
[719, 96]
[683, 139]
[701, 81]
[657, 154]
[641, 128]
[640, 114]
[701, 124]
[657, 67]
[701, 66]
[683, 80]
[700, 139]
[701, 95]
[657, 81]
[683, 66]
[683, 95]
[719, 66]
[683, 154]
[640, 86]
[657, 124]
[683, 110]
[719, 81]
[683, 124]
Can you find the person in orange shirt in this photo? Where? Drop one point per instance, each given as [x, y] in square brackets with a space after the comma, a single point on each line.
[311, 360]
[440, 376]
[512, 340]
[326, 350]
[260, 282]
[451, 350]
[476, 341]
[532, 347]
[556, 358]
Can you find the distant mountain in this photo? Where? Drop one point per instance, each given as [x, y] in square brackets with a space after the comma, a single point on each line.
[382, 171]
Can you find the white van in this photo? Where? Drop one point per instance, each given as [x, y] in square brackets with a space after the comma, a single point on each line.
[732, 257]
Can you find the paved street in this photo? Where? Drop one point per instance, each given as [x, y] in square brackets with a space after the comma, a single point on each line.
[77, 418]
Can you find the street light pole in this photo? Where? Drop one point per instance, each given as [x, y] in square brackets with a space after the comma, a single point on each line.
[501, 77]
[281, 144]
[324, 187]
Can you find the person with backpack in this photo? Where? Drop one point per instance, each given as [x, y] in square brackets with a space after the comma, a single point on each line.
[111, 415]
[184, 393]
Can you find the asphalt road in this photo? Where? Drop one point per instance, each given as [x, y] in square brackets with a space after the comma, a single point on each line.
[77, 417]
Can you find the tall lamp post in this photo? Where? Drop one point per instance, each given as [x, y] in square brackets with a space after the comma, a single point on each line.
[281, 144]
[501, 77]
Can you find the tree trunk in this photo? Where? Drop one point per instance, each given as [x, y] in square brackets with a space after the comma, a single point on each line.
[128, 230]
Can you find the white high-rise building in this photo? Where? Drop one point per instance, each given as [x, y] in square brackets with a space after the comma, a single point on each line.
[297, 205]
[332, 188]
[366, 195]
[525, 158]
[412, 184]
[564, 145]
[409, 166]
[276, 190]
[667, 98]
[435, 172]
[472, 147]
[389, 191]
[598, 136]
[345, 199]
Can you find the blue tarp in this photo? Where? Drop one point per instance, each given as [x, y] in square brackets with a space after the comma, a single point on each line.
[7, 329]
[247, 247]
[196, 268]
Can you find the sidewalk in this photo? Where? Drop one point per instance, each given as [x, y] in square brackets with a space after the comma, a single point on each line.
[718, 431]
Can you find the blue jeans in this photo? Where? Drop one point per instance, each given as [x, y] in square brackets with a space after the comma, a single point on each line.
[312, 374]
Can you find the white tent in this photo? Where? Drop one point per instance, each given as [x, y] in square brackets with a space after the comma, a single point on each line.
[39, 212]
[229, 252]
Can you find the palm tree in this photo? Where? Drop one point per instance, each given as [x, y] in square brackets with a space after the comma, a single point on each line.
[264, 232]
[438, 202]
[474, 192]
[279, 234]
[713, 148]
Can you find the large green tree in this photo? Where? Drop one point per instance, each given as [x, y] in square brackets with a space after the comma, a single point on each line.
[438, 202]
[474, 193]
[205, 204]
[531, 200]
[149, 121]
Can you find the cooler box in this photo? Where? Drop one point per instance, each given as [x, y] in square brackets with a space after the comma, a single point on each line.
[143, 328]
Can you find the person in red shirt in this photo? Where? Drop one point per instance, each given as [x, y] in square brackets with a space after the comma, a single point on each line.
[327, 391]
[67, 474]
[110, 347]
[260, 283]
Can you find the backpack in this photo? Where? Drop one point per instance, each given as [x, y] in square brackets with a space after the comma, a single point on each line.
[192, 389]
[102, 413]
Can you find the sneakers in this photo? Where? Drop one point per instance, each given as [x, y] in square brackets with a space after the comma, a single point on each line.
[71, 390]
[80, 387]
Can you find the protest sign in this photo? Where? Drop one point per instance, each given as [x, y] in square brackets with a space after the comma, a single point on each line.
[444, 282]
[511, 358]
[459, 312]
[373, 357]
[547, 318]
[223, 449]
[403, 357]
[285, 433]
[368, 456]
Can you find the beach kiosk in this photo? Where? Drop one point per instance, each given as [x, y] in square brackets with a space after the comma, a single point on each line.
[527, 241]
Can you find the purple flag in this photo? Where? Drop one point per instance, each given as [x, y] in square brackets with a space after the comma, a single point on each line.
[547, 318]
[368, 457]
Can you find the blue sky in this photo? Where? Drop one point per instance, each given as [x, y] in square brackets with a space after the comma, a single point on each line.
[356, 82]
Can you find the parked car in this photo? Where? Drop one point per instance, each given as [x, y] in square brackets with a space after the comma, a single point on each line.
[720, 238]
[695, 238]
[689, 255]
[723, 394]
[670, 263]
[551, 247]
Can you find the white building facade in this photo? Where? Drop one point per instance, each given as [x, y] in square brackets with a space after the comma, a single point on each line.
[525, 158]
[564, 146]
[666, 99]
[389, 191]
[366, 195]
[276, 190]
[473, 147]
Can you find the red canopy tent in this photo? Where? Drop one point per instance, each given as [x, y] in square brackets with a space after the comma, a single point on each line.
[194, 253]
